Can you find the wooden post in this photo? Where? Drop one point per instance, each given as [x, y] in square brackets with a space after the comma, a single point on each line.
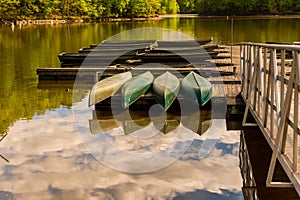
[296, 112]
[265, 105]
[242, 69]
[267, 96]
[247, 70]
[245, 63]
[256, 67]
[282, 98]
[275, 83]
[259, 84]
[271, 74]
[274, 93]
[234, 67]
[251, 87]
[282, 73]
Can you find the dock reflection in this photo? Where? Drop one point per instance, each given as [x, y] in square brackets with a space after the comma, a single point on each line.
[132, 121]
[1, 138]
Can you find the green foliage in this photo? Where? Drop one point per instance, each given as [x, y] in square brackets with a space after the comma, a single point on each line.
[42, 9]
[169, 7]
[186, 6]
[246, 7]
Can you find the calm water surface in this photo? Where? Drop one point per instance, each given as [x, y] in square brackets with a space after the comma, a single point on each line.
[47, 158]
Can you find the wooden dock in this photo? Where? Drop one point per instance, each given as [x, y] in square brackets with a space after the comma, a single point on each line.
[275, 136]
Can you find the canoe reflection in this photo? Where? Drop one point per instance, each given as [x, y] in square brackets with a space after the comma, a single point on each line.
[198, 122]
[133, 121]
[102, 121]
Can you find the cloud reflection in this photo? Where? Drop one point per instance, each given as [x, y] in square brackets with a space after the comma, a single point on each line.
[49, 161]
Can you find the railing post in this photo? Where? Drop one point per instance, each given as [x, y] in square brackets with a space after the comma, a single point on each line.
[260, 79]
[242, 66]
[264, 97]
[267, 94]
[282, 73]
[251, 86]
[296, 111]
[256, 68]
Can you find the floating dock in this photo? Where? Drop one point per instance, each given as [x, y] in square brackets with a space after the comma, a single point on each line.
[266, 91]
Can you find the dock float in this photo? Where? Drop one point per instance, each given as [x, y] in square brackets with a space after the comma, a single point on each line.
[71, 73]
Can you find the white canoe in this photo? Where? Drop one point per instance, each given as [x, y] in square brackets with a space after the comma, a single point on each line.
[108, 87]
[165, 89]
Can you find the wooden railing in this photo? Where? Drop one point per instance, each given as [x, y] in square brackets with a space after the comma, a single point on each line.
[270, 88]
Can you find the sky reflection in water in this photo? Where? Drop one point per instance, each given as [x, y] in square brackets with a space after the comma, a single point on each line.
[48, 159]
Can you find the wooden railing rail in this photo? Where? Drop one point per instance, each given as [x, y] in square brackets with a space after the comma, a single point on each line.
[270, 88]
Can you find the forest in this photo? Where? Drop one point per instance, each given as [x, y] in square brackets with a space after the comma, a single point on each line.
[247, 7]
[97, 9]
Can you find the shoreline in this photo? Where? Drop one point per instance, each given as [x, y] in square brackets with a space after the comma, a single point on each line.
[77, 20]
[158, 18]
[275, 16]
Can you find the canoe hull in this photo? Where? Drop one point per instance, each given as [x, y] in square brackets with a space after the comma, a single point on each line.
[183, 43]
[165, 89]
[196, 88]
[133, 89]
[108, 87]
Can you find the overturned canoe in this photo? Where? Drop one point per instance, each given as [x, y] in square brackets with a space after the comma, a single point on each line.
[107, 87]
[185, 56]
[165, 89]
[101, 58]
[133, 89]
[120, 45]
[183, 43]
[126, 42]
[196, 88]
[115, 51]
[206, 48]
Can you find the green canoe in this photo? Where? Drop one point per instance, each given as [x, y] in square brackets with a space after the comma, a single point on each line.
[165, 89]
[196, 88]
[107, 87]
[133, 89]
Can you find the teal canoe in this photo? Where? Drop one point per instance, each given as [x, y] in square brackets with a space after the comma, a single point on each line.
[165, 89]
[196, 88]
[137, 86]
[107, 87]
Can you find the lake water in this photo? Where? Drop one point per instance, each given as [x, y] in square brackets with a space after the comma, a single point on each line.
[46, 155]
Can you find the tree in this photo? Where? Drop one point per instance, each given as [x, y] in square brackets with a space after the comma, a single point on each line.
[186, 6]
[169, 6]
[9, 9]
